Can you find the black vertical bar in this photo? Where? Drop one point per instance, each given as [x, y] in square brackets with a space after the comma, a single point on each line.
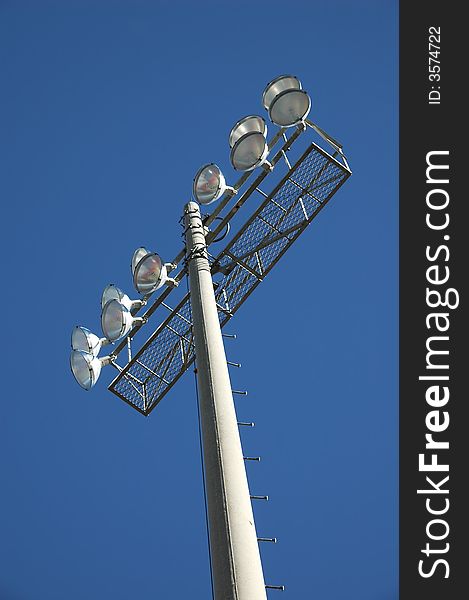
[434, 253]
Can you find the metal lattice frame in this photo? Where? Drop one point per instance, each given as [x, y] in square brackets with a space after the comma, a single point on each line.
[248, 257]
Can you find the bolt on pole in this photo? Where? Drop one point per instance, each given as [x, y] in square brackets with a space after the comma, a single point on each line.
[236, 563]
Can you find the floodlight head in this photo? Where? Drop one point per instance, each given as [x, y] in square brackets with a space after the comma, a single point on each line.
[287, 103]
[138, 254]
[86, 368]
[86, 341]
[149, 273]
[112, 292]
[209, 184]
[117, 320]
[249, 151]
[278, 85]
[246, 125]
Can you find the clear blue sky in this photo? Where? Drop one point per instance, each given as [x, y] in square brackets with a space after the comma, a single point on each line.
[107, 110]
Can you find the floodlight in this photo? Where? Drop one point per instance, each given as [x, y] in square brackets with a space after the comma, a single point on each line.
[86, 368]
[86, 341]
[138, 254]
[117, 320]
[112, 292]
[246, 125]
[209, 184]
[150, 273]
[287, 103]
[278, 85]
[249, 151]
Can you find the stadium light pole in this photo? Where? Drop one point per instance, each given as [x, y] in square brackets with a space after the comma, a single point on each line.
[236, 562]
[192, 329]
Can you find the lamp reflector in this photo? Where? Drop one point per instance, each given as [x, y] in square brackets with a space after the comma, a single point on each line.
[112, 292]
[117, 320]
[86, 368]
[209, 184]
[277, 86]
[137, 256]
[287, 103]
[250, 151]
[86, 341]
[149, 274]
[290, 108]
[246, 125]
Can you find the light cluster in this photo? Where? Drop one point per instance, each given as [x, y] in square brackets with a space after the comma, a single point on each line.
[149, 273]
[288, 105]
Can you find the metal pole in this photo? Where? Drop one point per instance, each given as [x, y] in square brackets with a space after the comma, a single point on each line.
[236, 563]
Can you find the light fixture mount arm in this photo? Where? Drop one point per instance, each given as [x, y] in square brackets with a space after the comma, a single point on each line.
[171, 282]
[170, 266]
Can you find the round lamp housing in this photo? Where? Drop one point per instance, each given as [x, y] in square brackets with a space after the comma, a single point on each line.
[86, 341]
[112, 292]
[86, 368]
[247, 125]
[278, 85]
[150, 273]
[286, 102]
[117, 320]
[209, 184]
[249, 151]
[137, 256]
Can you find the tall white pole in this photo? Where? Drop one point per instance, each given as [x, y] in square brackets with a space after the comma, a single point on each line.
[236, 563]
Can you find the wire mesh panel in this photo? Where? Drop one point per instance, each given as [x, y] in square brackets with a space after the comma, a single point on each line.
[246, 260]
[163, 358]
[276, 224]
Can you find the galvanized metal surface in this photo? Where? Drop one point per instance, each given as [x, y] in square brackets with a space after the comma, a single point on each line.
[235, 558]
